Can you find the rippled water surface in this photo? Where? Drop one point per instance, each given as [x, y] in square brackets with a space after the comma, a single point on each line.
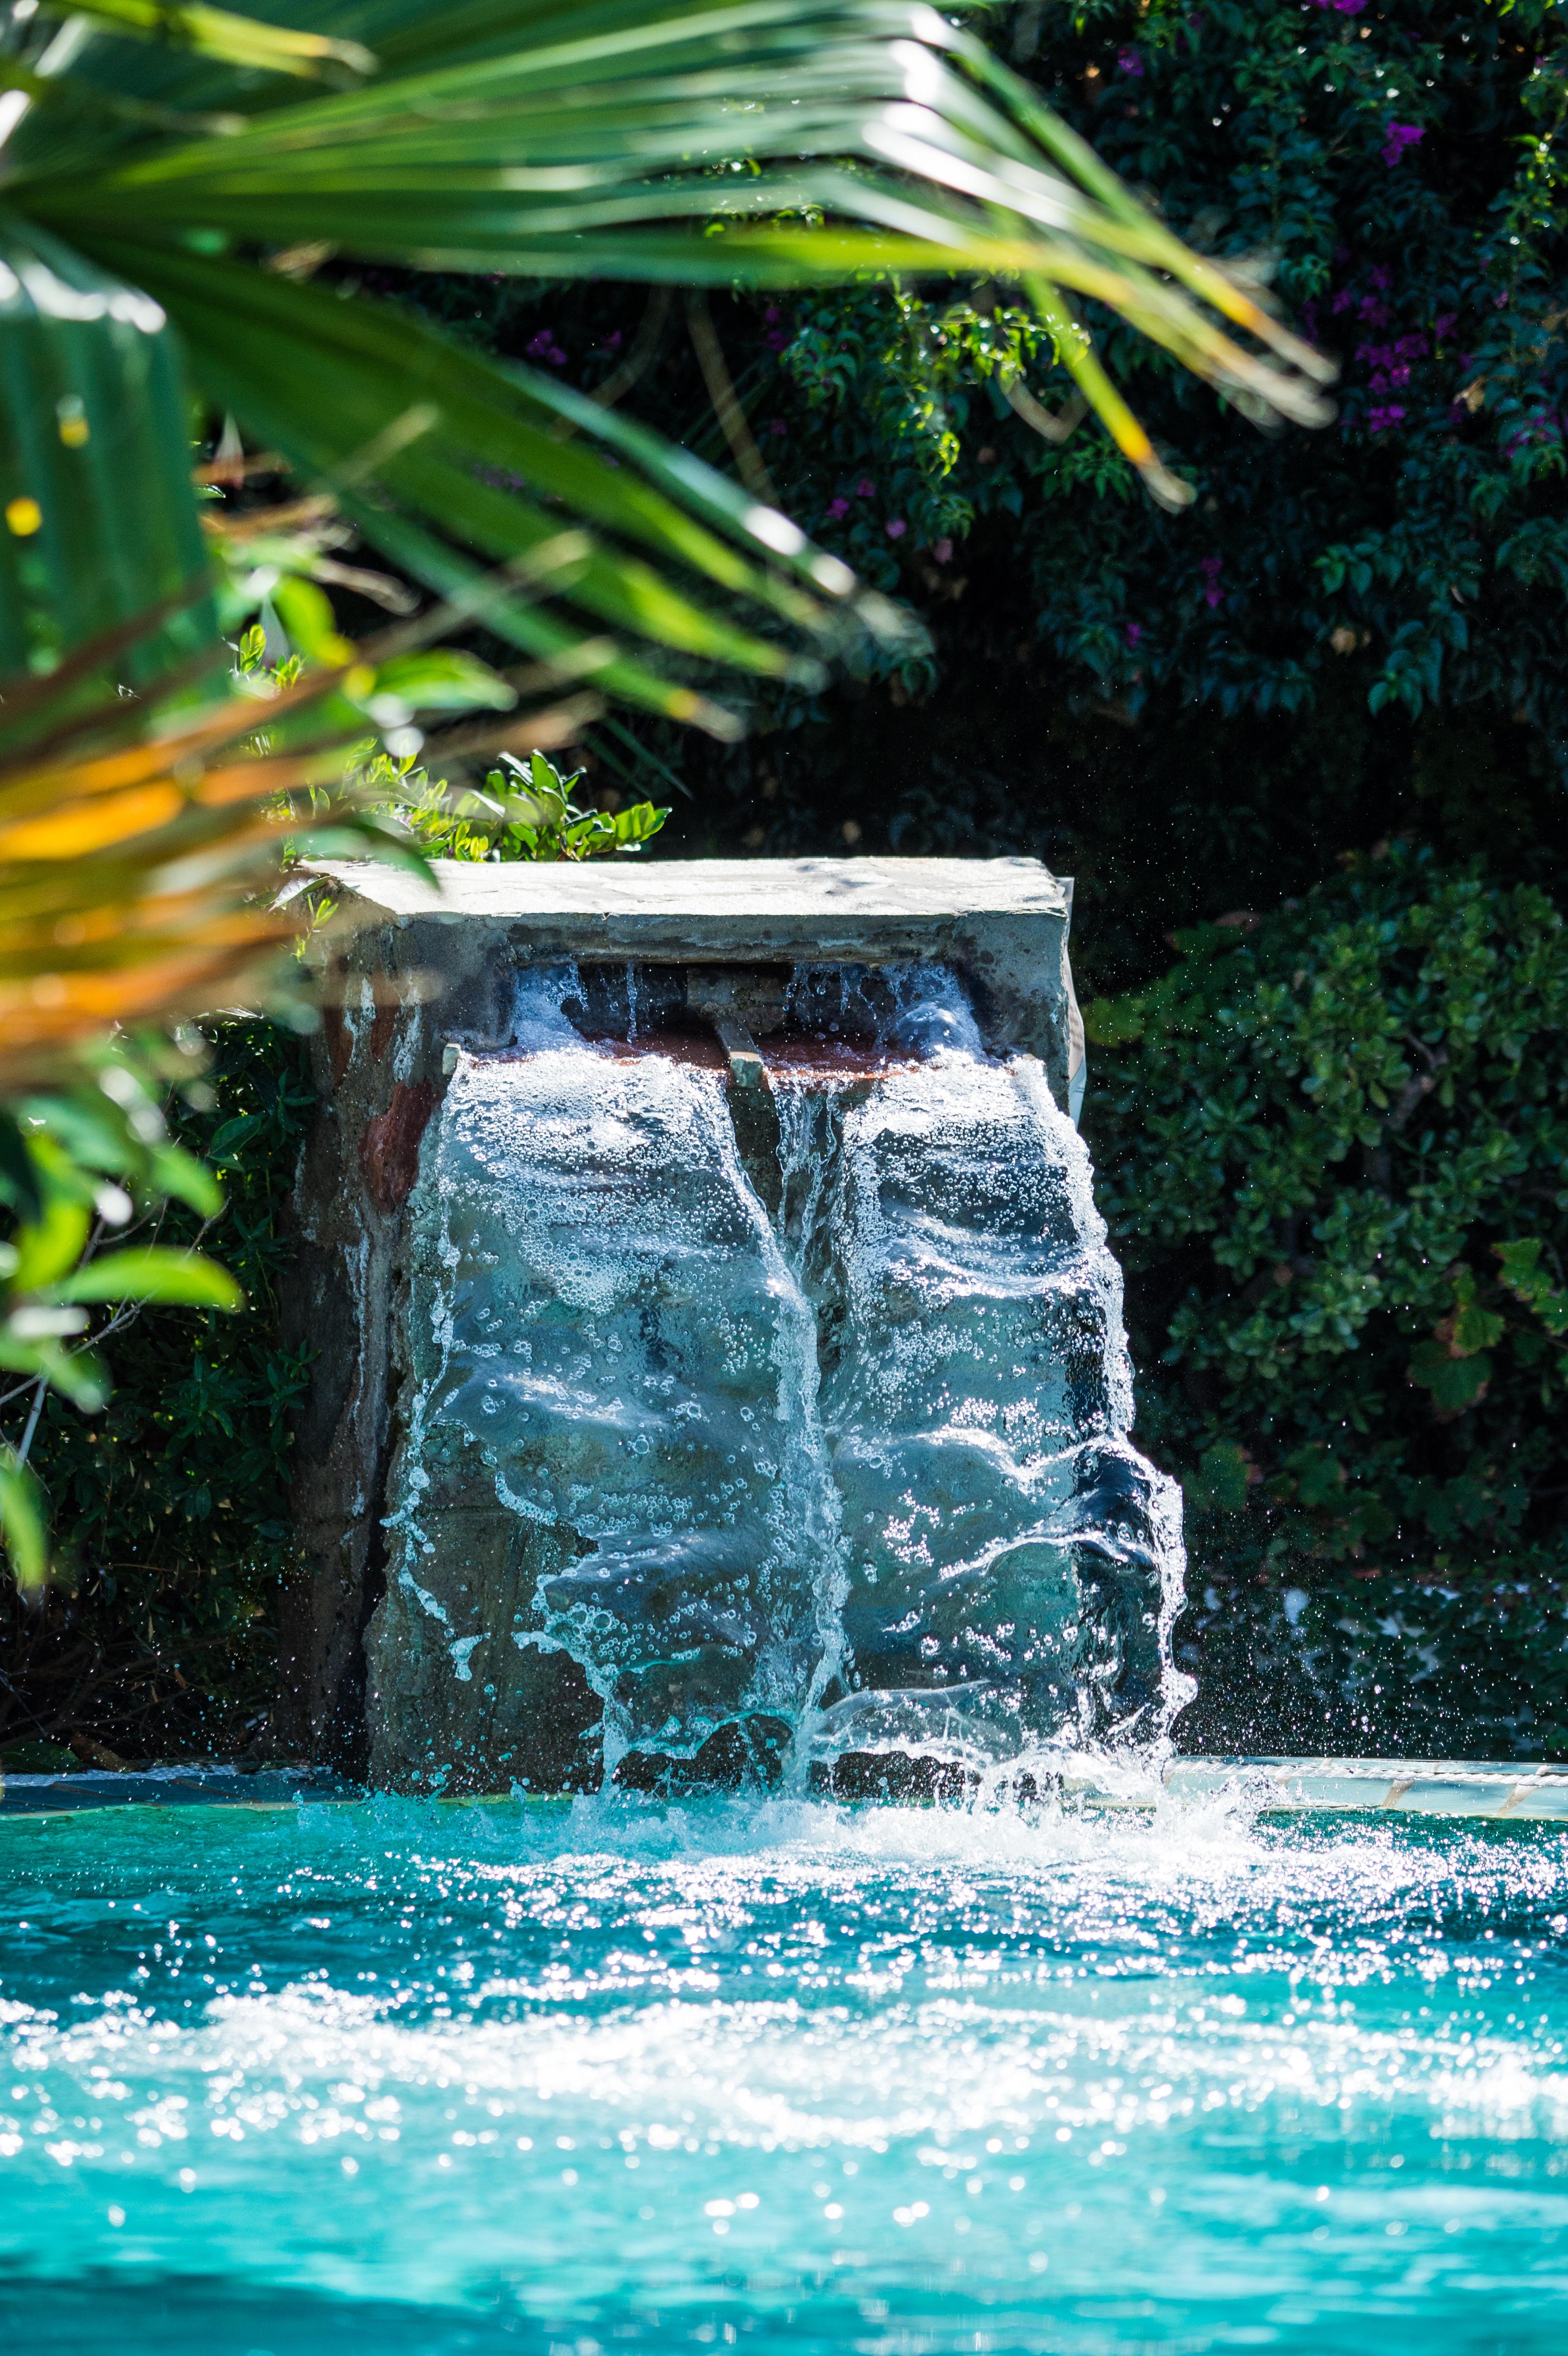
[577, 2078]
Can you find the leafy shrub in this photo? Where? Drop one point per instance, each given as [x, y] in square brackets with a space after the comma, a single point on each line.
[526, 812]
[170, 1505]
[1398, 175]
[1332, 1151]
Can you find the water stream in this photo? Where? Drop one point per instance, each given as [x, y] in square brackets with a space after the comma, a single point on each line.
[807, 1411]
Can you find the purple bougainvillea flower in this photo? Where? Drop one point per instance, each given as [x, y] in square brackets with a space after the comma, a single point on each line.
[943, 552]
[1380, 421]
[865, 489]
[1130, 63]
[896, 528]
[1398, 136]
[1210, 568]
[836, 508]
[1134, 632]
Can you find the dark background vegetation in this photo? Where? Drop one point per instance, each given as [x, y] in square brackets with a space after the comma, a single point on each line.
[1304, 747]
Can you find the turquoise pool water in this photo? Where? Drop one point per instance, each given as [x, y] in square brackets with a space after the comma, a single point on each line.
[577, 2079]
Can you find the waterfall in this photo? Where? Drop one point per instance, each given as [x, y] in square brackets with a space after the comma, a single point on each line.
[809, 1413]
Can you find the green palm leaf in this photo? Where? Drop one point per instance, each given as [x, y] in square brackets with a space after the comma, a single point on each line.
[237, 40]
[755, 141]
[92, 404]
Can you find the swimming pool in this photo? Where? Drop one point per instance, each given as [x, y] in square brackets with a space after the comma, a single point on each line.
[581, 2077]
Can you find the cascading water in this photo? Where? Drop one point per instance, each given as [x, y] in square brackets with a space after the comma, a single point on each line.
[820, 1426]
[756, 1407]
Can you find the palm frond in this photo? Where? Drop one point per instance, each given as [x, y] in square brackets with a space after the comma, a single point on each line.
[445, 461]
[828, 137]
[138, 871]
[243, 41]
[99, 522]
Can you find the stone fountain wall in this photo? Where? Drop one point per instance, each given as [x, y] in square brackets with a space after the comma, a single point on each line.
[418, 977]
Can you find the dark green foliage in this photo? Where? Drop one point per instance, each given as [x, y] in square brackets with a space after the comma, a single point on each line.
[170, 1506]
[1374, 611]
[1354, 632]
[1399, 167]
[1332, 1152]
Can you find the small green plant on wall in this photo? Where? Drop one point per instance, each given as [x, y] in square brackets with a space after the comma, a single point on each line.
[526, 812]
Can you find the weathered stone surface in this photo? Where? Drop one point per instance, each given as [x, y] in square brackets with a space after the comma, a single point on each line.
[1002, 923]
[413, 971]
[382, 1035]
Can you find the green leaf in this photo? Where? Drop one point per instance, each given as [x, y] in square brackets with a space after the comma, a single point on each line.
[305, 612]
[639, 824]
[173, 1171]
[46, 1248]
[22, 1524]
[1112, 1022]
[444, 679]
[182, 1279]
[234, 1132]
[236, 40]
[78, 1374]
[1225, 1472]
[1454, 1383]
[91, 1130]
[1471, 1327]
[1531, 1283]
[98, 518]
[18, 1175]
[1319, 1477]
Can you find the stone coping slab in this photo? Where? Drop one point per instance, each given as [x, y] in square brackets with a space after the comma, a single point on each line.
[846, 895]
[166, 1787]
[1517, 1792]
[1522, 1790]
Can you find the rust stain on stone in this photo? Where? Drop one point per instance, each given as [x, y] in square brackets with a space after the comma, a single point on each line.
[382, 1027]
[390, 1149]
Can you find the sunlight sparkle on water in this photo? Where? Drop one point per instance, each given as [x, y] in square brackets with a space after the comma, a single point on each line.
[577, 2076]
